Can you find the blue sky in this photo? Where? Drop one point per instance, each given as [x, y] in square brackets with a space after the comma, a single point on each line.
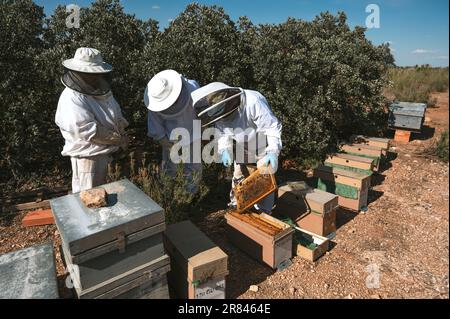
[418, 30]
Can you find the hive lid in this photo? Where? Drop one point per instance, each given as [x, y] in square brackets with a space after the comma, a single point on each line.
[257, 186]
[129, 210]
[408, 109]
[29, 273]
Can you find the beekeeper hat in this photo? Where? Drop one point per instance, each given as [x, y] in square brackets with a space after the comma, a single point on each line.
[163, 91]
[216, 101]
[87, 60]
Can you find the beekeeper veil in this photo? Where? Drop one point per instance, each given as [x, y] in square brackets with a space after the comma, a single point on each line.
[86, 73]
[217, 101]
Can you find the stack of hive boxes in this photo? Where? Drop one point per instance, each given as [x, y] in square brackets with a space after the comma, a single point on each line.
[114, 251]
[349, 172]
[351, 187]
[198, 267]
[312, 213]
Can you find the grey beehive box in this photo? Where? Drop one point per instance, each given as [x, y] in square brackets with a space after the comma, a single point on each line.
[91, 232]
[106, 247]
[29, 274]
[405, 115]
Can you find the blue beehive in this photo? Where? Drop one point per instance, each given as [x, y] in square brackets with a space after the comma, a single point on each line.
[407, 116]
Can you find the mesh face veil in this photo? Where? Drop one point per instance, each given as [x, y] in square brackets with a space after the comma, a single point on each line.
[95, 84]
[220, 105]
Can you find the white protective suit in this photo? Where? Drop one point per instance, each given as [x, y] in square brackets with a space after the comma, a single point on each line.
[254, 116]
[78, 116]
[161, 125]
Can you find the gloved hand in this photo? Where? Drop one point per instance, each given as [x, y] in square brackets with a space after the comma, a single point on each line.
[272, 159]
[226, 159]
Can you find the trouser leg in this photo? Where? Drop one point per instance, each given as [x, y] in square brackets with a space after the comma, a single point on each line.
[89, 172]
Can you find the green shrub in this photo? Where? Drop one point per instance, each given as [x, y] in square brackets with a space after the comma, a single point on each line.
[442, 147]
[323, 80]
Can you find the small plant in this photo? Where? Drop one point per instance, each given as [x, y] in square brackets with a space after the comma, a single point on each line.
[441, 149]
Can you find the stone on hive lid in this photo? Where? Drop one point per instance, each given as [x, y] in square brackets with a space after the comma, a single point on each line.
[94, 198]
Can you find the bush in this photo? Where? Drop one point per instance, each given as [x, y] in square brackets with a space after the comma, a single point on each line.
[322, 79]
[441, 150]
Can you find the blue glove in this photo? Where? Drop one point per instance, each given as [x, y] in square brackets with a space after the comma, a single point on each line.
[226, 159]
[272, 159]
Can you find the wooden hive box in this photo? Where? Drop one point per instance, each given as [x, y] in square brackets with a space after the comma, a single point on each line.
[102, 244]
[263, 237]
[351, 187]
[198, 266]
[350, 162]
[311, 209]
[29, 273]
[406, 116]
[363, 150]
[308, 245]
[383, 143]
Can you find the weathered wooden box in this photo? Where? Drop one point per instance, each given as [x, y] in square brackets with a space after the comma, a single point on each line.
[121, 285]
[384, 143]
[198, 266]
[308, 245]
[352, 163]
[261, 236]
[311, 209]
[29, 273]
[351, 187]
[373, 152]
[102, 244]
[408, 116]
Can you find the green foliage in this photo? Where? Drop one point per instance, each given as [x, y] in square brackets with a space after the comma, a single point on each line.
[416, 84]
[442, 147]
[323, 80]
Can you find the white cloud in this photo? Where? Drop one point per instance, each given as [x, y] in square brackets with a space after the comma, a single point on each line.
[422, 51]
[170, 20]
[393, 50]
[156, 7]
[441, 57]
[389, 42]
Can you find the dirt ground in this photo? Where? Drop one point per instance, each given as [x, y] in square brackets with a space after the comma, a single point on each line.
[397, 249]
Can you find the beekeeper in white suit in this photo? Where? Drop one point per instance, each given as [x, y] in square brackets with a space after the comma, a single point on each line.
[89, 118]
[245, 117]
[168, 99]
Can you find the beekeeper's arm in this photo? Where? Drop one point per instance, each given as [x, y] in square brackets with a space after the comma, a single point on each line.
[156, 129]
[267, 123]
[262, 115]
[76, 119]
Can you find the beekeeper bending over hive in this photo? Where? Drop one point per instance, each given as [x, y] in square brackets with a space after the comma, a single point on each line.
[168, 99]
[245, 117]
[89, 118]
